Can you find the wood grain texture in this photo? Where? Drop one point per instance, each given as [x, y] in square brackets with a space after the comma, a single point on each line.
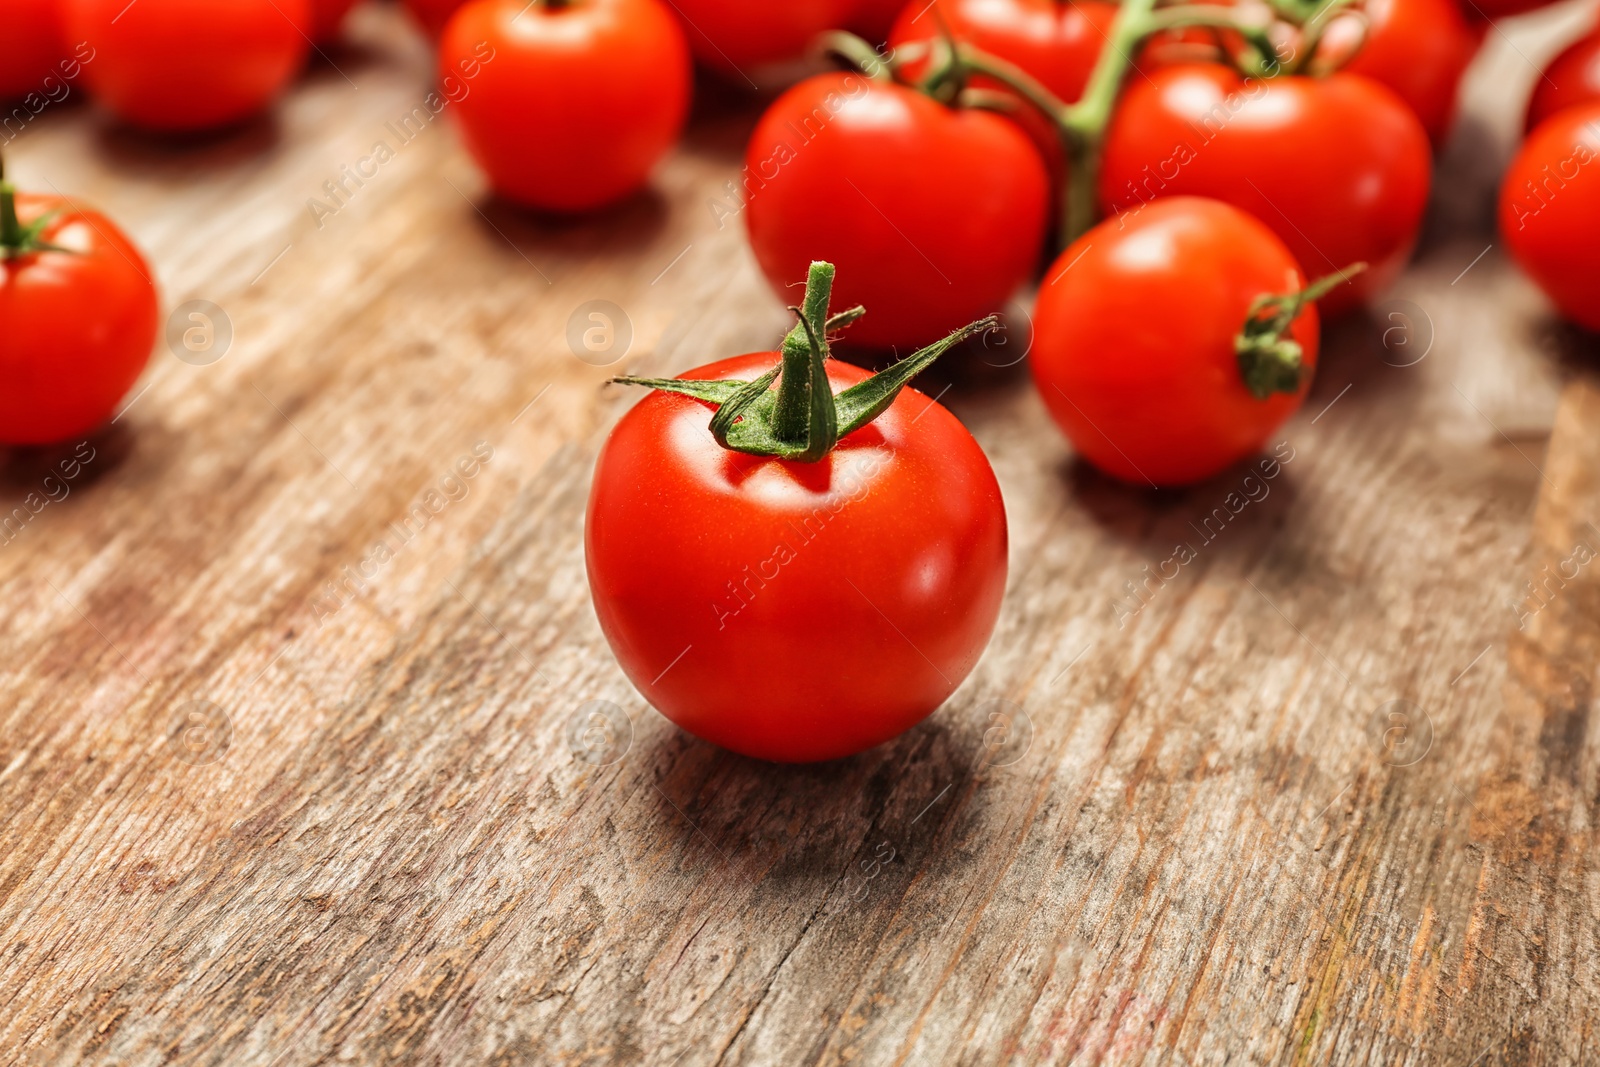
[1183, 841]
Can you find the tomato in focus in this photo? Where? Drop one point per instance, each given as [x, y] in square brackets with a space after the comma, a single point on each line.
[934, 215]
[1337, 166]
[794, 611]
[1418, 48]
[1572, 78]
[183, 65]
[571, 107]
[79, 324]
[740, 37]
[1550, 211]
[34, 46]
[1134, 345]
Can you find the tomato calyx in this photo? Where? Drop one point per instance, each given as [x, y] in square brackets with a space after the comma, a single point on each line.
[1271, 361]
[17, 240]
[802, 420]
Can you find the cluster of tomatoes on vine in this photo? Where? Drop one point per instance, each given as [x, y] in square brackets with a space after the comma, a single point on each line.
[790, 556]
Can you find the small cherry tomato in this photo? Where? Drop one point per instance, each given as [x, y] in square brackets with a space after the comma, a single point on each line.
[794, 609]
[1550, 211]
[935, 215]
[1572, 78]
[1137, 345]
[1056, 42]
[1338, 166]
[1418, 48]
[573, 104]
[740, 37]
[178, 65]
[327, 18]
[33, 48]
[433, 15]
[80, 314]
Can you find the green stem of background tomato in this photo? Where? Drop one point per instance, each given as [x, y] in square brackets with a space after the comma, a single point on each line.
[1082, 126]
[12, 236]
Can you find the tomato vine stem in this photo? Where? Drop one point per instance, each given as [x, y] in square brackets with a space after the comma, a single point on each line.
[1269, 360]
[803, 420]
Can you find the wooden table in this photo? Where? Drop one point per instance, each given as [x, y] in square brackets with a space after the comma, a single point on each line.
[268, 799]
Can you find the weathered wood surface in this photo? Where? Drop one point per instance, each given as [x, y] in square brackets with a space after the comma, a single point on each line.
[410, 845]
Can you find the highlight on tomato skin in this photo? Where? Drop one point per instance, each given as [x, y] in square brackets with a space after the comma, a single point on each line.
[1550, 211]
[1135, 347]
[79, 322]
[818, 610]
[934, 215]
[1337, 166]
[569, 107]
[791, 557]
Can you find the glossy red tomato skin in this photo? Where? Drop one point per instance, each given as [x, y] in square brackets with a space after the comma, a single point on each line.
[79, 326]
[1571, 79]
[184, 65]
[1058, 43]
[874, 18]
[1338, 166]
[934, 215]
[788, 611]
[740, 37]
[327, 18]
[1419, 49]
[572, 107]
[1550, 211]
[433, 15]
[33, 48]
[1133, 346]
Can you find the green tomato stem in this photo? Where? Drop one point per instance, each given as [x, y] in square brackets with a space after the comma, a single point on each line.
[1269, 360]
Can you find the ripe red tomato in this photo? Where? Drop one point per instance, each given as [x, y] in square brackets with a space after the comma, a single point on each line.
[1134, 344]
[327, 17]
[33, 48]
[79, 324]
[571, 106]
[1418, 48]
[433, 15]
[1337, 166]
[795, 611]
[873, 19]
[1058, 43]
[1572, 78]
[1550, 211]
[186, 65]
[934, 215]
[739, 37]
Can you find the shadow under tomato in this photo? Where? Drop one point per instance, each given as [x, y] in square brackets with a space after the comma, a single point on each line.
[617, 230]
[24, 470]
[177, 156]
[804, 827]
